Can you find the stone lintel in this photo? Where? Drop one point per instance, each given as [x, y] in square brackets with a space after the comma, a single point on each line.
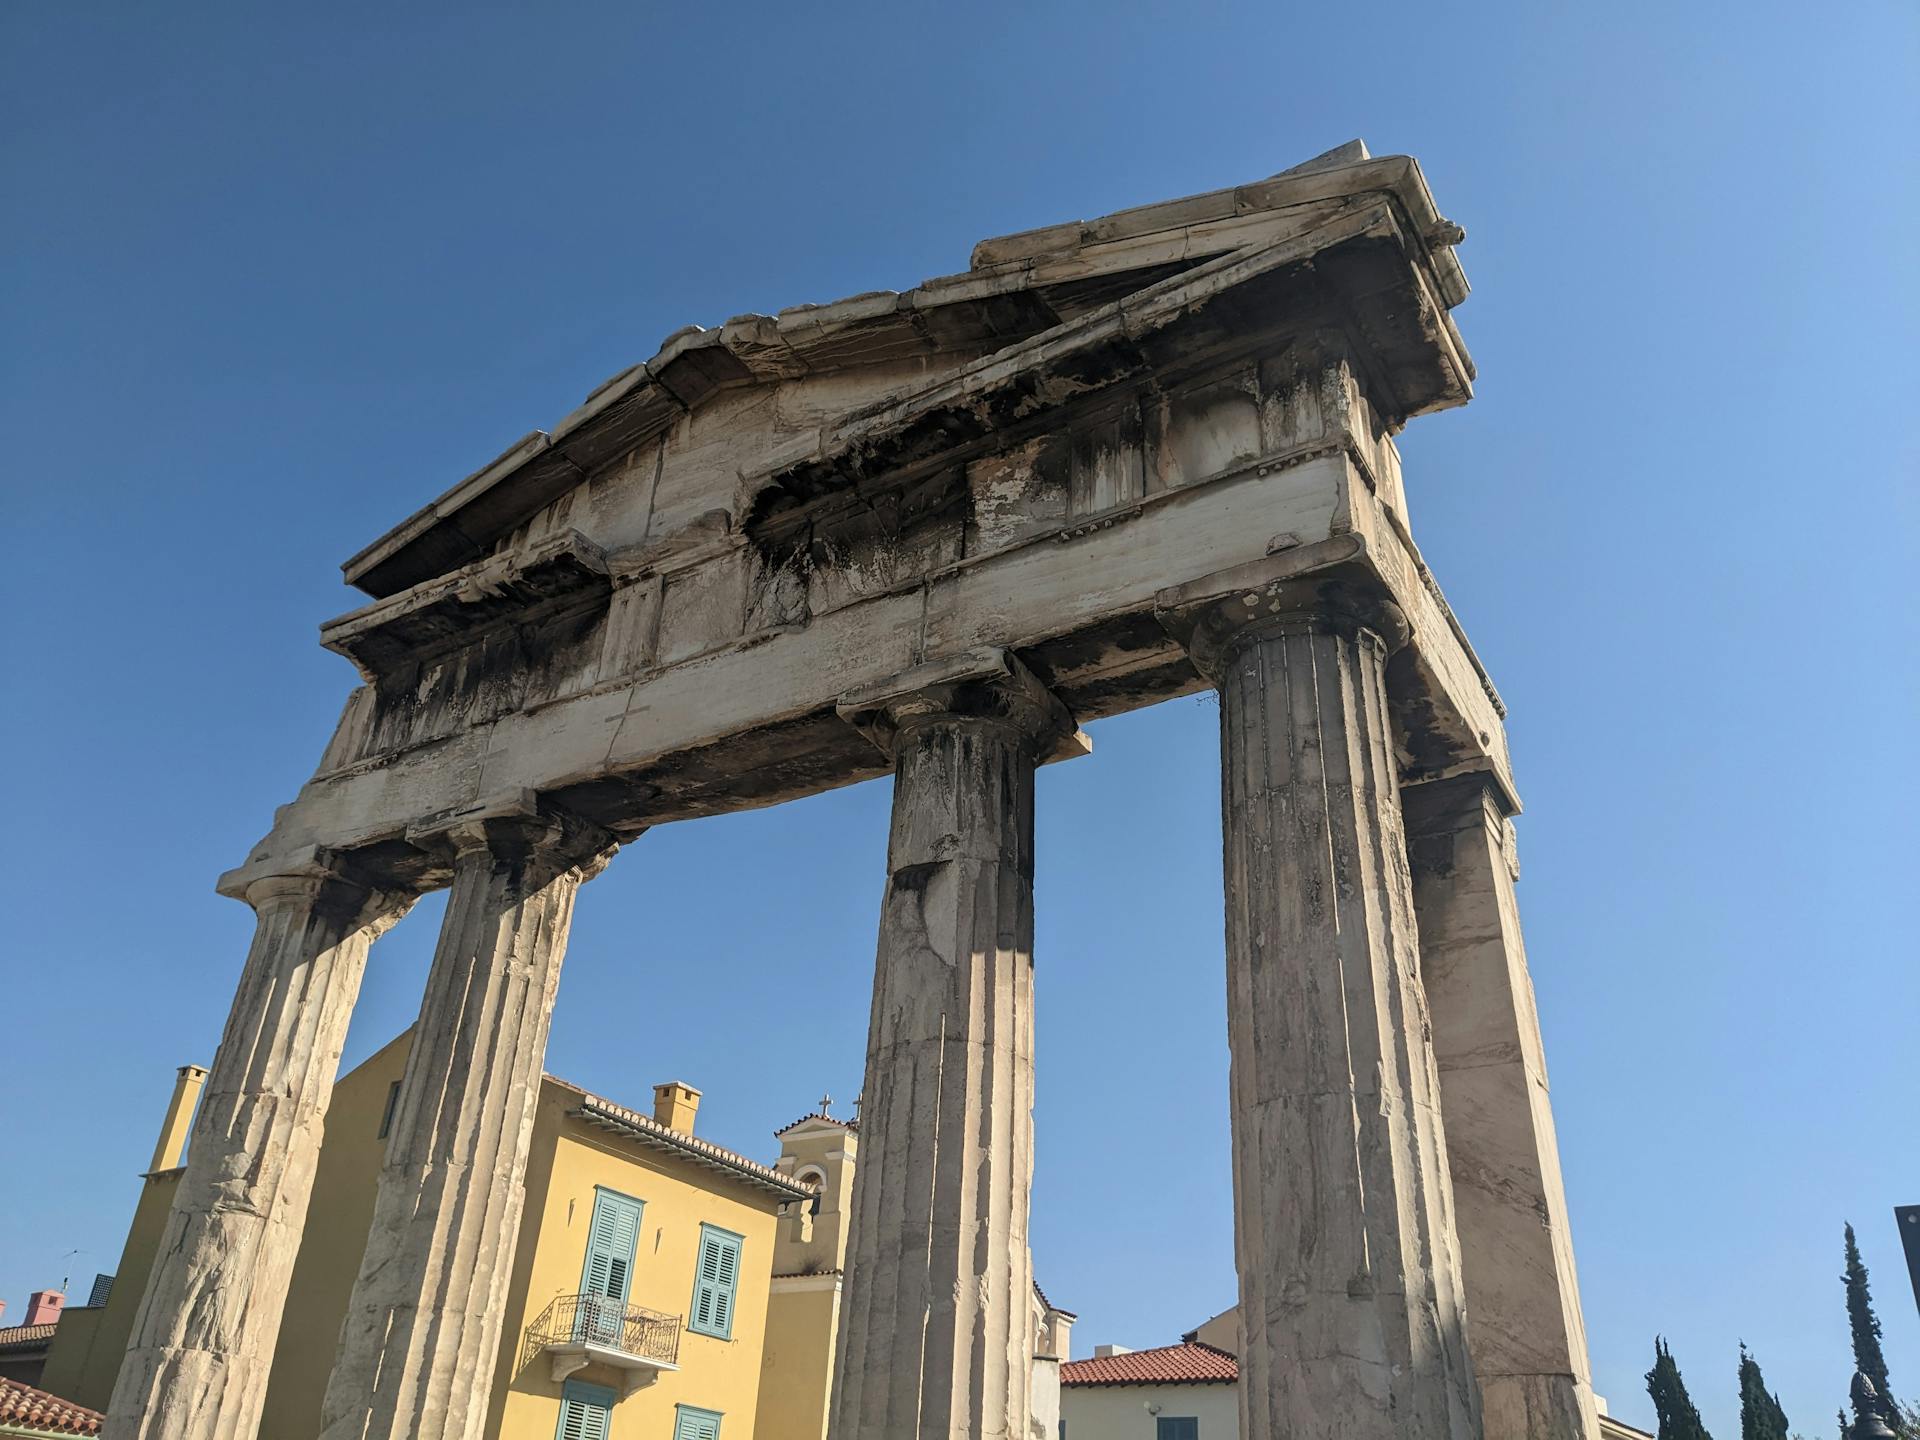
[988, 683]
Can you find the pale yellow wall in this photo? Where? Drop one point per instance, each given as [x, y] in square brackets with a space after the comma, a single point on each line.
[797, 1371]
[1119, 1412]
[678, 1197]
[568, 1160]
[84, 1361]
[810, 1239]
[70, 1353]
[810, 1249]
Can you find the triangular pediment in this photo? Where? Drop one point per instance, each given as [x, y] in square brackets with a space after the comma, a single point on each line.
[1022, 292]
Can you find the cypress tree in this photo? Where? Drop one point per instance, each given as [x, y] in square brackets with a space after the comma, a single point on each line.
[1679, 1419]
[1867, 1358]
[1761, 1417]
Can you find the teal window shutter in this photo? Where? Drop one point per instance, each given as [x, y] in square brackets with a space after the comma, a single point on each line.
[586, 1412]
[611, 1237]
[1177, 1427]
[608, 1274]
[715, 1280]
[690, 1423]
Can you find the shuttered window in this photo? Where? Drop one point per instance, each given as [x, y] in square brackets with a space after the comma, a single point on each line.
[1177, 1427]
[714, 1282]
[608, 1274]
[692, 1424]
[586, 1412]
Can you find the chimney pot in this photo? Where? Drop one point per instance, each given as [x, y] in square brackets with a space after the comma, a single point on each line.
[43, 1307]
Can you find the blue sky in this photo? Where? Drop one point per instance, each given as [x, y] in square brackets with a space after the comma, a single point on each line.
[271, 281]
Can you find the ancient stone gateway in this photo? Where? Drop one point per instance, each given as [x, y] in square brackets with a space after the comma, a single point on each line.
[931, 534]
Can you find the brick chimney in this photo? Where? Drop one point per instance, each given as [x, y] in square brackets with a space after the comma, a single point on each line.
[675, 1104]
[43, 1307]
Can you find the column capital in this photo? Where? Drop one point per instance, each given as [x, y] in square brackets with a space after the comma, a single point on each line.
[1217, 614]
[1433, 810]
[988, 685]
[320, 877]
[1453, 802]
[519, 825]
[1456, 804]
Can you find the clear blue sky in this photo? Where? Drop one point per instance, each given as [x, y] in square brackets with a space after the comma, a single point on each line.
[273, 280]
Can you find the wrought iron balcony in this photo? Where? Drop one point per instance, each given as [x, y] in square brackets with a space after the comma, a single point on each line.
[576, 1331]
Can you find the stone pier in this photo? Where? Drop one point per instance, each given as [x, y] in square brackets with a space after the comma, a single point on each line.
[935, 1337]
[203, 1341]
[1528, 1339]
[422, 1332]
[1351, 1309]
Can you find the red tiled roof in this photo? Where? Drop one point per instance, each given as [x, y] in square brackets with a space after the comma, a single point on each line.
[37, 1410]
[1189, 1363]
[22, 1335]
[817, 1115]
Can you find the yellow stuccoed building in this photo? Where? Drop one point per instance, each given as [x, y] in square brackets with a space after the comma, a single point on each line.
[664, 1288]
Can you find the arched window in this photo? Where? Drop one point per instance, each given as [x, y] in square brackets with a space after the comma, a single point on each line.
[813, 1175]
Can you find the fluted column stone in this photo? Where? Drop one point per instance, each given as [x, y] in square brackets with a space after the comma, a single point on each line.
[1528, 1339]
[203, 1340]
[1350, 1296]
[935, 1334]
[422, 1330]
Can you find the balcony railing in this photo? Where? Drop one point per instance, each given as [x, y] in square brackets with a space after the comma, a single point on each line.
[581, 1330]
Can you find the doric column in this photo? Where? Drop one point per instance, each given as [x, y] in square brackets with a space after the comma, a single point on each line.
[1528, 1342]
[422, 1330]
[196, 1367]
[934, 1334]
[1350, 1296]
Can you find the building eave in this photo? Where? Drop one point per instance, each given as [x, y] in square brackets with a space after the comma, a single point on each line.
[606, 1115]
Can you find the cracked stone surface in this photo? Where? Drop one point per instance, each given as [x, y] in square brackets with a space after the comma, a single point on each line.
[935, 1337]
[1528, 1339]
[422, 1332]
[1351, 1306]
[196, 1367]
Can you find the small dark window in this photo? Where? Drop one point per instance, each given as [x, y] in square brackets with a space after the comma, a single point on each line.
[386, 1116]
[1177, 1427]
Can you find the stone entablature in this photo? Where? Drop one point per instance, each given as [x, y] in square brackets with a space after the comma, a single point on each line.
[669, 634]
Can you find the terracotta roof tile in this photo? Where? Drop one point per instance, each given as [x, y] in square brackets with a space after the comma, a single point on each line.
[1189, 1363]
[817, 1115]
[22, 1405]
[23, 1335]
[596, 1110]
